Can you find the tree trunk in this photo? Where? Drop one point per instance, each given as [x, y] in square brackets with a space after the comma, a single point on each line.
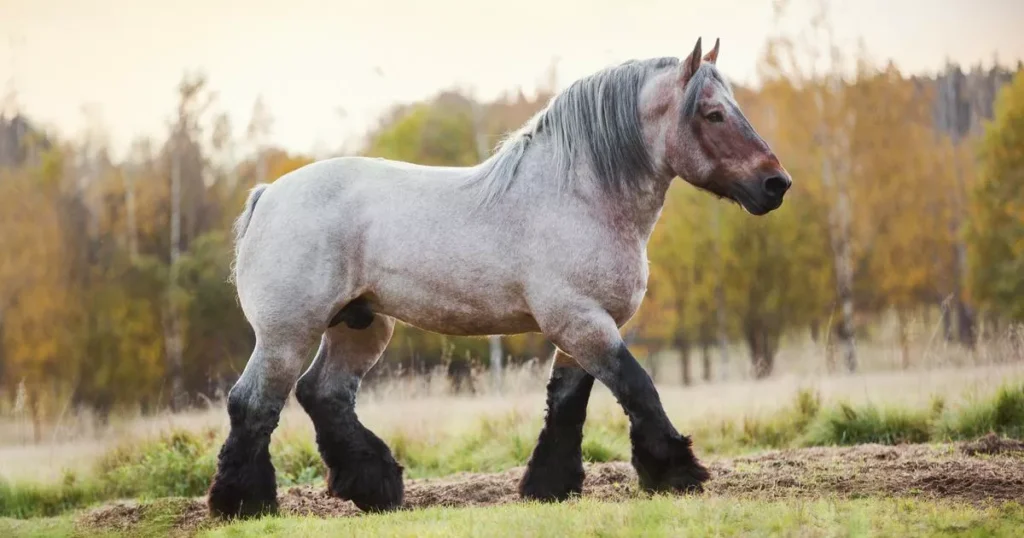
[904, 340]
[684, 358]
[172, 338]
[964, 318]
[496, 356]
[835, 168]
[840, 235]
[762, 351]
[956, 120]
[705, 355]
[720, 304]
[947, 321]
[682, 343]
[129, 202]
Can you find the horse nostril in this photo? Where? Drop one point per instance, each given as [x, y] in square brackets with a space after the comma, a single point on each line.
[776, 186]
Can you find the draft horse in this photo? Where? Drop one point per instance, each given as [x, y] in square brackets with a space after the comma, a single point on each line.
[548, 235]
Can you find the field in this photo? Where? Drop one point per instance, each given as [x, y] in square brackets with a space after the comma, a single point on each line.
[933, 450]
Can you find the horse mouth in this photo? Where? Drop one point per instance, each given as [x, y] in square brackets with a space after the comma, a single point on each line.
[755, 204]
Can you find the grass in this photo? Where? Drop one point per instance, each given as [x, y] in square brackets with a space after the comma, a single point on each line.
[658, 516]
[180, 463]
[1002, 414]
[663, 517]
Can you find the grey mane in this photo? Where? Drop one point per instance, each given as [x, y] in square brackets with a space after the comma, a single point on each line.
[598, 115]
[705, 74]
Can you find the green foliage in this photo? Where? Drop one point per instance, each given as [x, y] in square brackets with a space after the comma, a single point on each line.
[604, 439]
[1002, 413]
[25, 500]
[780, 429]
[296, 459]
[177, 464]
[847, 425]
[439, 134]
[784, 427]
[996, 230]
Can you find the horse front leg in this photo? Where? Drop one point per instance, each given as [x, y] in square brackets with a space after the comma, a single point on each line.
[555, 470]
[663, 459]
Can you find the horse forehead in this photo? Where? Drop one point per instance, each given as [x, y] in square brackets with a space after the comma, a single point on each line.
[716, 91]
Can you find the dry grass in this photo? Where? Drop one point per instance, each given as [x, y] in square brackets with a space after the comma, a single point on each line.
[422, 408]
[427, 416]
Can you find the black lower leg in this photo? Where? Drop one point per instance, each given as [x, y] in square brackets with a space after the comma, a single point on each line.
[245, 483]
[555, 470]
[360, 466]
[663, 458]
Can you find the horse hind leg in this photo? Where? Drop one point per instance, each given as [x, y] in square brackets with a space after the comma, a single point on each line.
[555, 470]
[245, 483]
[360, 465]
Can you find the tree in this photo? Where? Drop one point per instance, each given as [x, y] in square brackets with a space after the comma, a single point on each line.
[996, 231]
[37, 276]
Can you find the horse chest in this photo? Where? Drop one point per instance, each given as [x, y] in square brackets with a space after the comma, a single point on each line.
[621, 286]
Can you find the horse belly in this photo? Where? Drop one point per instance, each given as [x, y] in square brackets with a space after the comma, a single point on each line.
[453, 310]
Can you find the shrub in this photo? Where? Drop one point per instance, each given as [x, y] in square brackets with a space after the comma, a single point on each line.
[846, 425]
[1002, 413]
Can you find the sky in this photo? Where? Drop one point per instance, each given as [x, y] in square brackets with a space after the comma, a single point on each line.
[327, 68]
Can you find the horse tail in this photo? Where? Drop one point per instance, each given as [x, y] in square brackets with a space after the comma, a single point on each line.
[242, 222]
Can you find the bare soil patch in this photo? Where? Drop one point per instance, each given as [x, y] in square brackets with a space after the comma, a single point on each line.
[984, 471]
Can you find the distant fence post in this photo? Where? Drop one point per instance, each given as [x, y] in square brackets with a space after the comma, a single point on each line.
[495, 342]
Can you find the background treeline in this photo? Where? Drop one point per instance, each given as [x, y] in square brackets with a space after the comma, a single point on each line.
[909, 202]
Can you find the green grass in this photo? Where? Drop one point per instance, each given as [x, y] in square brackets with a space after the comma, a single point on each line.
[846, 425]
[499, 443]
[663, 517]
[660, 516]
[37, 528]
[1002, 413]
[181, 463]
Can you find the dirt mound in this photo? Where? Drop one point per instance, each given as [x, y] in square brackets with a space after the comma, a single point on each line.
[992, 444]
[911, 470]
[940, 472]
[119, 516]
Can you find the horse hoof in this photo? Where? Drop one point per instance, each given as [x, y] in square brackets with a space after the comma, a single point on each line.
[548, 483]
[227, 501]
[671, 466]
[245, 484]
[373, 484]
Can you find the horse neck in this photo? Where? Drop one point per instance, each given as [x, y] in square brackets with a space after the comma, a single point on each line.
[641, 210]
[632, 214]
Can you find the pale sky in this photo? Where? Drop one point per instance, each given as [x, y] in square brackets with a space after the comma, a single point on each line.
[309, 58]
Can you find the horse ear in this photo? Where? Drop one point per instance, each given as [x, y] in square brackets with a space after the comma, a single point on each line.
[712, 57]
[689, 66]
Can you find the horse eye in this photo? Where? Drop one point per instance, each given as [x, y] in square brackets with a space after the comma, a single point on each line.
[715, 117]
